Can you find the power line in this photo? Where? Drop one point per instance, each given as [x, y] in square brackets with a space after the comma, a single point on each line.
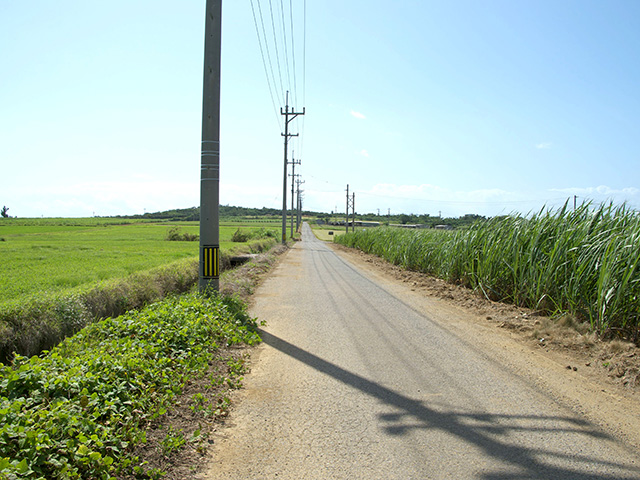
[288, 49]
[286, 54]
[293, 53]
[293, 61]
[304, 72]
[264, 63]
[275, 42]
[264, 32]
[304, 56]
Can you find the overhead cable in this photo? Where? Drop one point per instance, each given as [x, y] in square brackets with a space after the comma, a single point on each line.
[264, 63]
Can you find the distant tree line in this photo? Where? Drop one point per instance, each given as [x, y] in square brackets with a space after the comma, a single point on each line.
[406, 219]
[227, 211]
[178, 214]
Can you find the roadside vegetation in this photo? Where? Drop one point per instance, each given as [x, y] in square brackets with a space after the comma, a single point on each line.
[582, 262]
[135, 389]
[58, 275]
[86, 408]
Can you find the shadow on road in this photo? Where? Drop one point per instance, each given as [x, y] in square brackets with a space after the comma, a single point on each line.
[477, 429]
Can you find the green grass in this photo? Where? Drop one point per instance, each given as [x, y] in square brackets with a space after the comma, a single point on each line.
[47, 259]
[80, 410]
[584, 262]
[69, 222]
[44, 256]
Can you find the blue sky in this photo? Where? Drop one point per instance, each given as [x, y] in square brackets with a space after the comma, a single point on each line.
[448, 107]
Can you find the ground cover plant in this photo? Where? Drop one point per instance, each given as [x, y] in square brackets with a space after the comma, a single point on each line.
[584, 262]
[80, 410]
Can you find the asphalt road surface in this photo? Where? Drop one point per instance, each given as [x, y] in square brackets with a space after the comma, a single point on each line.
[353, 382]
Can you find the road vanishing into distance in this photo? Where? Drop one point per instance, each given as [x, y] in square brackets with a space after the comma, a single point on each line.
[354, 382]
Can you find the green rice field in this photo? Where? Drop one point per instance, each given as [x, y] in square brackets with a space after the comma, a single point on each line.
[43, 256]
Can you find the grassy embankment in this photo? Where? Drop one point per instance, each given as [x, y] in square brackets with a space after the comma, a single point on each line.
[81, 410]
[57, 275]
[584, 262]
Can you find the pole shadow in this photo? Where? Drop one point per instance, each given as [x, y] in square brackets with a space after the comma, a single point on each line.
[475, 428]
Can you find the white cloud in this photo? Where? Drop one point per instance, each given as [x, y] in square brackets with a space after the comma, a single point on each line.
[357, 114]
[364, 153]
[599, 191]
[602, 194]
[543, 146]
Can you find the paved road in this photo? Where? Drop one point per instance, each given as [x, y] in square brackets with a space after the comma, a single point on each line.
[353, 383]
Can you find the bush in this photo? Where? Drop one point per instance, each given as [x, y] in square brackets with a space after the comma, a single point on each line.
[241, 236]
[174, 234]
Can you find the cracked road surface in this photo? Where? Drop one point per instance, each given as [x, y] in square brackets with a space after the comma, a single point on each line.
[354, 381]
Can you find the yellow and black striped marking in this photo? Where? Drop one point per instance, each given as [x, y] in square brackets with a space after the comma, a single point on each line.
[211, 261]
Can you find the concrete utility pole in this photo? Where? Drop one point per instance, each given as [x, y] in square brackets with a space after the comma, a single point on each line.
[346, 224]
[209, 268]
[353, 210]
[293, 164]
[299, 217]
[286, 136]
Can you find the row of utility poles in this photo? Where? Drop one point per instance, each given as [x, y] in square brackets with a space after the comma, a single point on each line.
[209, 264]
[289, 115]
